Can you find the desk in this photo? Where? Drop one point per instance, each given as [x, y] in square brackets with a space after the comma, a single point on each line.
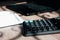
[14, 32]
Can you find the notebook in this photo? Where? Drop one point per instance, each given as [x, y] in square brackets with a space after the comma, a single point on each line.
[8, 18]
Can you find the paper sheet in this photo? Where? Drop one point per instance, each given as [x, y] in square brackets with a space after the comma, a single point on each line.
[8, 18]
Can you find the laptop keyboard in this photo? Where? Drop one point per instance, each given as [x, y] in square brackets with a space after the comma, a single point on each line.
[44, 26]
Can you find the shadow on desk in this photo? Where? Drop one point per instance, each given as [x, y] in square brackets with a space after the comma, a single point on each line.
[20, 34]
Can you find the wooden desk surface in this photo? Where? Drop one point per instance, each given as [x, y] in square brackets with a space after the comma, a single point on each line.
[14, 32]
